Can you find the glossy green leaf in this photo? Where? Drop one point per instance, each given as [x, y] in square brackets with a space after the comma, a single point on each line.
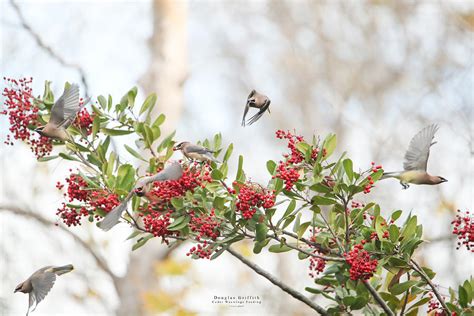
[279, 248]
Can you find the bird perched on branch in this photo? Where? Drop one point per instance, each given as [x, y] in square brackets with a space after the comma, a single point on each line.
[259, 101]
[40, 283]
[416, 160]
[63, 113]
[196, 152]
[172, 172]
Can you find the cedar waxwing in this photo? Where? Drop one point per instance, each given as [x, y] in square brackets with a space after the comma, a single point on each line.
[172, 172]
[259, 101]
[416, 160]
[63, 113]
[196, 152]
[40, 283]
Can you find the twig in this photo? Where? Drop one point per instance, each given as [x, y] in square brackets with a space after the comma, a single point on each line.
[420, 271]
[98, 259]
[48, 49]
[405, 301]
[297, 295]
[379, 299]
[336, 259]
[309, 243]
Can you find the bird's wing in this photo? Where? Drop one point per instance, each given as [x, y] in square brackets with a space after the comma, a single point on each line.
[416, 157]
[259, 114]
[198, 149]
[65, 109]
[31, 302]
[245, 113]
[112, 218]
[42, 284]
[172, 172]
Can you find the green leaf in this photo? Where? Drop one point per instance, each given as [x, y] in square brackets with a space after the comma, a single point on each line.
[410, 228]
[240, 172]
[396, 215]
[320, 200]
[394, 233]
[159, 120]
[347, 163]
[279, 248]
[462, 296]
[296, 225]
[228, 152]
[271, 167]
[125, 177]
[95, 126]
[44, 159]
[302, 229]
[140, 242]
[134, 234]
[149, 103]
[402, 287]
[116, 132]
[68, 157]
[179, 223]
[261, 231]
[134, 153]
[166, 142]
[330, 144]
[216, 174]
[178, 203]
[378, 226]
[102, 102]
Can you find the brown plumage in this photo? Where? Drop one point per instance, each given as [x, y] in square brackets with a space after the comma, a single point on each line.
[40, 283]
[258, 101]
[196, 152]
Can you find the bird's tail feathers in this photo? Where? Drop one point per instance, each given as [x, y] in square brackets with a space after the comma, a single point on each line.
[387, 175]
[63, 269]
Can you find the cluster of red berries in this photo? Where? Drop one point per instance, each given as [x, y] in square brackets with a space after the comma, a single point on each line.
[202, 251]
[362, 267]
[464, 229]
[78, 190]
[356, 204]
[434, 307]
[288, 174]
[251, 197]
[163, 191]
[84, 121]
[316, 265]
[23, 116]
[156, 223]
[296, 156]
[370, 185]
[206, 226]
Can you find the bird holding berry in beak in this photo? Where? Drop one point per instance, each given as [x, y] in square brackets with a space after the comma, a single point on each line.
[63, 113]
[416, 160]
[196, 152]
[258, 101]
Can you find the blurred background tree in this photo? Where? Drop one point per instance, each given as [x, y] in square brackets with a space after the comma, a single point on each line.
[373, 72]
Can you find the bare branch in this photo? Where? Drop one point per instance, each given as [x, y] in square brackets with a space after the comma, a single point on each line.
[48, 49]
[379, 299]
[278, 283]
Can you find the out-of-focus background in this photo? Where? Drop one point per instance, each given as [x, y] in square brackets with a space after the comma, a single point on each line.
[373, 72]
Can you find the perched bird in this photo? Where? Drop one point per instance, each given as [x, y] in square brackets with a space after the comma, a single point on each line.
[172, 172]
[259, 101]
[196, 152]
[40, 283]
[63, 113]
[416, 160]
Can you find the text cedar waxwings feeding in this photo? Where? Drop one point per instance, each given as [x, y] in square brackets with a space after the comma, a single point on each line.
[40, 283]
[416, 160]
[63, 113]
[196, 152]
[172, 172]
[259, 101]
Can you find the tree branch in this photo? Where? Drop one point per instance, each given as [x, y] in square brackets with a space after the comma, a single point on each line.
[379, 299]
[48, 49]
[278, 283]
[46, 222]
[420, 271]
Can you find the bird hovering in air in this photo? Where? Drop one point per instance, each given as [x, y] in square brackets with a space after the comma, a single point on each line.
[258, 101]
[40, 283]
[416, 160]
[63, 114]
